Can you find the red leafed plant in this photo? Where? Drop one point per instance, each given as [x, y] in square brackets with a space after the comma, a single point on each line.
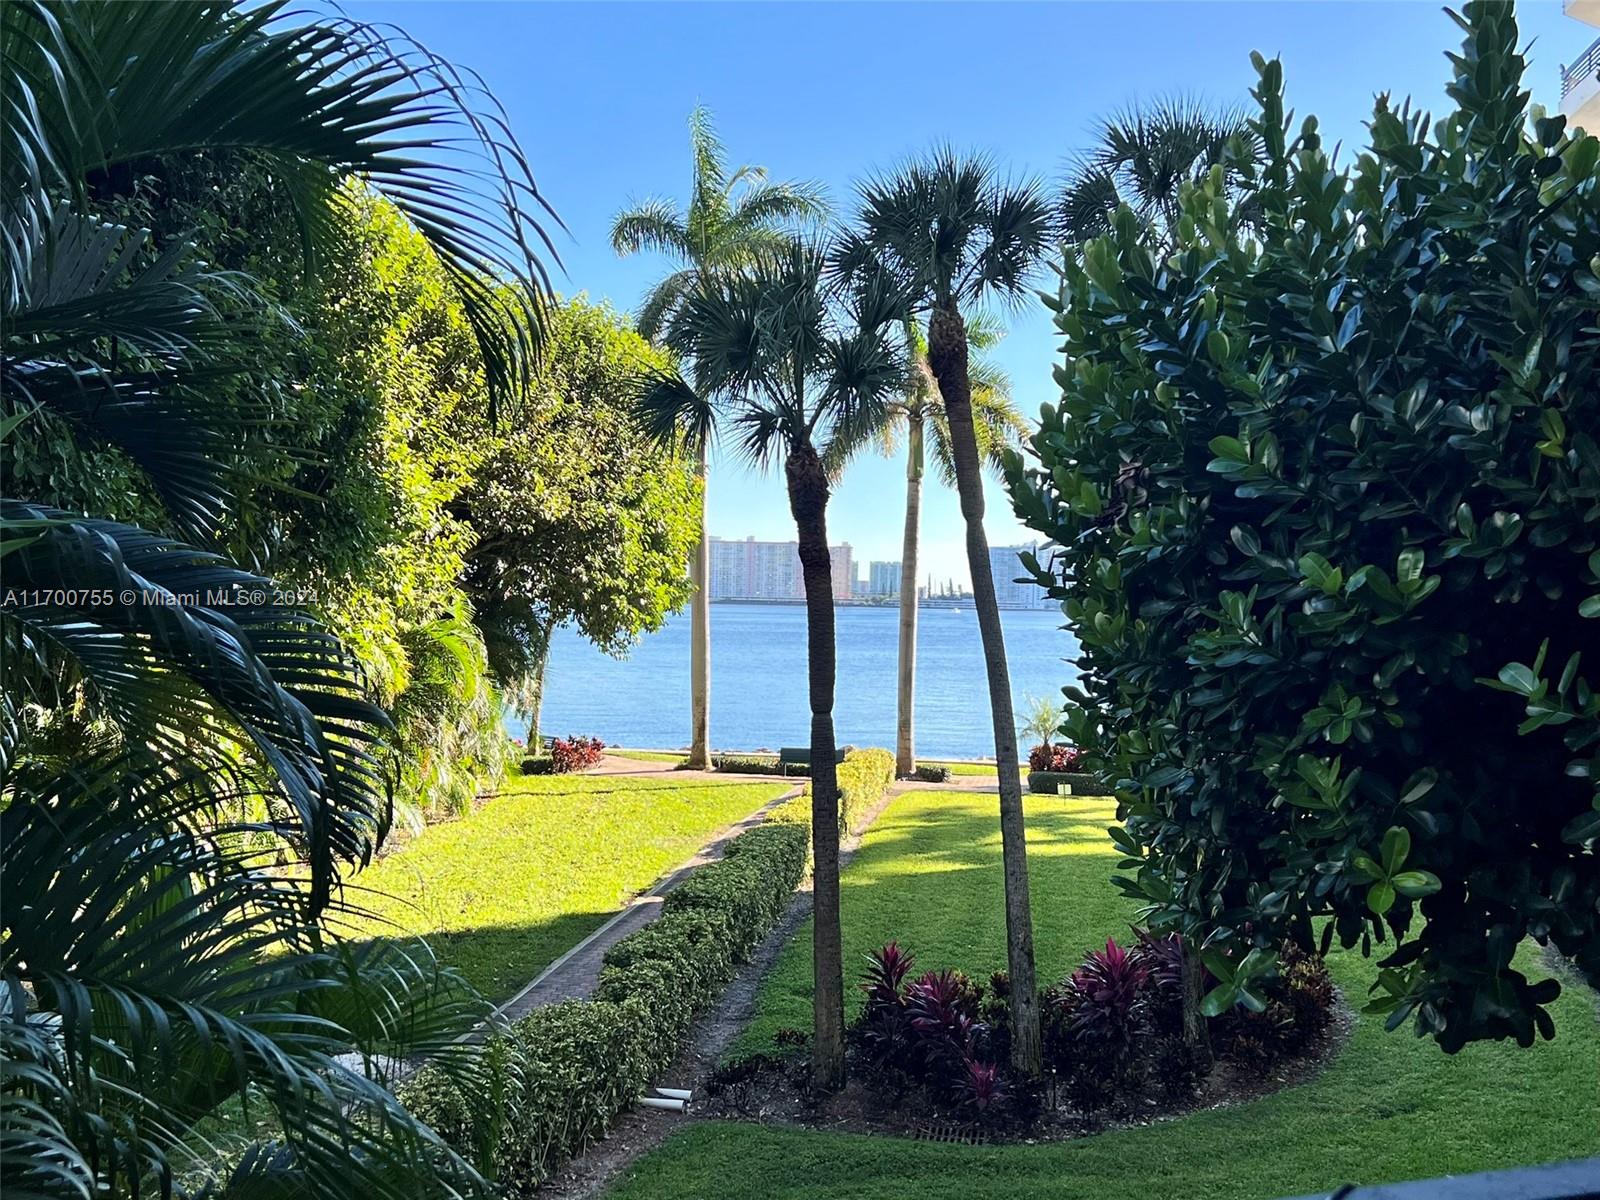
[938, 1005]
[575, 753]
[981, 1087]
[1055, 758]
[1104, 992]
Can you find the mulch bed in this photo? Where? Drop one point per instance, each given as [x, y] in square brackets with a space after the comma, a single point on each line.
[778, 1095]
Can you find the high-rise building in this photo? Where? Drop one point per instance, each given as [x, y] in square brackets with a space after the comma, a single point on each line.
[752, 570]
[844, 570]
[1005, 566]
[1580, 82]
[883, 579]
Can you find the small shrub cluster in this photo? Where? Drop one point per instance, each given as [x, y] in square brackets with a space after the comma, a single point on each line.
[1113, 1031]
[575, 753]
[931, 774]
[537, 764]
[552, 1082]
[1060, 757]
[929, 1030]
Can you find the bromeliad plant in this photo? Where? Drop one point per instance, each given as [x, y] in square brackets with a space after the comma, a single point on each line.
[1323, 475]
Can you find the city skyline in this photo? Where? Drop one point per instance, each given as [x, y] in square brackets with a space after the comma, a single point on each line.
[752, 568]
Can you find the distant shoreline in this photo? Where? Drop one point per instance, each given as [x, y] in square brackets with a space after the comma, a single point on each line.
[961, 603]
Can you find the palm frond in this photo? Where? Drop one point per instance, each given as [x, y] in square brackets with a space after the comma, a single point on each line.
[671, 412]
[182, 650]
[651, 225]
[175, 972]
[135, 82]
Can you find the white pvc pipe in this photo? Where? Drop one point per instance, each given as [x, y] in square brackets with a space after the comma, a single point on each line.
[664, 1102]
[677, 1093]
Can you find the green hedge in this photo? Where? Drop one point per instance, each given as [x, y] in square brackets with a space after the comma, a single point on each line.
[557, 1077]
[864, 777]
[1050, 782]
[758, 766]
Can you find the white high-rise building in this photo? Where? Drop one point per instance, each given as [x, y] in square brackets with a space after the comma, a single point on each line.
[1005, 566]
[883, 579]
[1580, 82]
[752, 570]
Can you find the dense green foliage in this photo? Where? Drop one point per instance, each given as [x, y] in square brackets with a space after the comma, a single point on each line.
[864, 779]
[1325, 495]
[575, 516]
[176, 729]
[502, 892]
[560, 1075]
[1384, 1109]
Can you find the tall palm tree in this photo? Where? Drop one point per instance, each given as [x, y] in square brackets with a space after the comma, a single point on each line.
[1142, 157]
[169, 728]
[794, 364]
[953, 234]
[917, 415]
[732, 219]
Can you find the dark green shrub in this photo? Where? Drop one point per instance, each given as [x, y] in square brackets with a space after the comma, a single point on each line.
[758, 766]
[931, 774]
[1327, 469]
[538, 764]
[1050, 783]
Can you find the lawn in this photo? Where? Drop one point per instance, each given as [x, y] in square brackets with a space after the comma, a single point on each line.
[503, 892]
[1390, 1107]
[664, 756]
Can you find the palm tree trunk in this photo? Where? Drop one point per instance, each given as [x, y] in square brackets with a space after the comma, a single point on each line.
[808, 500]
[947, 356]
[905, 750]
[700, 633]
[536, 693]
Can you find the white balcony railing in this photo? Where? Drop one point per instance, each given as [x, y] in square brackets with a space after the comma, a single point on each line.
[1586, 68]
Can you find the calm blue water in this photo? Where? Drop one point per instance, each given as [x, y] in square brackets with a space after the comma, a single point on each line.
[758, 680]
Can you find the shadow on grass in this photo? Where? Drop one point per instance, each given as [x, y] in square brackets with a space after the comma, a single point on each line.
[499, 959]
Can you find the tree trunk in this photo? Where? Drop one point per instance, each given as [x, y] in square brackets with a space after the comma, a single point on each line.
[808, 500]
[700, 634]
[1194, 1021]
[536, 694]
[905, 749]
[947, 356]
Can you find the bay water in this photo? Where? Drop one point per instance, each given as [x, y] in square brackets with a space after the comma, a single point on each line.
[758, 680]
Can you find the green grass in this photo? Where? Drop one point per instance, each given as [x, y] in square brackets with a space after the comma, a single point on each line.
[1389, 1107]
[666, 756]
[959, 768]
[503, 892]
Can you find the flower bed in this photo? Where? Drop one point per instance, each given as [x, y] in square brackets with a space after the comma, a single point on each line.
[930, 1048]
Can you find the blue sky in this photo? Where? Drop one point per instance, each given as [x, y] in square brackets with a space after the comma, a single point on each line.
[598, 94]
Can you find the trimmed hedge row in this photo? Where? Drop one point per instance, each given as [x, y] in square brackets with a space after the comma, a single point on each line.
[1078, 784]
[555, 1079]
[864, 777]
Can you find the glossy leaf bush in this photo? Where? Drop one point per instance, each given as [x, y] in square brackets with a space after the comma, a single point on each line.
[1325, 485]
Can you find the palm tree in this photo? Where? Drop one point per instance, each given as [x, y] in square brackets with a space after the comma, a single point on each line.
[1142, 157]
[732, 219]
[169, 728]
[794, 365]
[918, 414]
[952, 234]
